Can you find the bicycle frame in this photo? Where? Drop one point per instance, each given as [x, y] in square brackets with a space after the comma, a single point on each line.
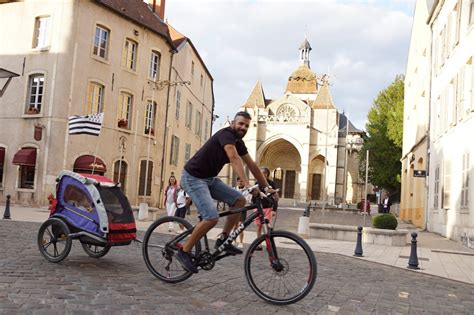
[259, 215]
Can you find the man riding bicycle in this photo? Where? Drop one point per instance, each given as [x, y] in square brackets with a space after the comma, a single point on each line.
[200, 181]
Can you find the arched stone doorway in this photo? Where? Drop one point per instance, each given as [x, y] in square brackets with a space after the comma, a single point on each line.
[315, 174]
[284, 162]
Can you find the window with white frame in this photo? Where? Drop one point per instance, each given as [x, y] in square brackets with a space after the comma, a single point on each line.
[446, 184]
[187, 152]
[26, 177]
[95, 98]
[174, 150]
[436, 188]
[101, 42]
[178, 103]
[189, 114]
[129, 54]
[198, 124]
[41, 35]
[202, 80]
[452, 101]
[453, 26]
[35, 93]
[465, 180]
[154, 72]
[460, 95]
[471, 86]
[150, 118]
[206, 127]
[124, 119]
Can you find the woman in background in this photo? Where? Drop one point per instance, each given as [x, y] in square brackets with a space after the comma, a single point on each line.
[171, 195]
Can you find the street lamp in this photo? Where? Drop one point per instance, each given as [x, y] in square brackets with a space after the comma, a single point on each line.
[158, 86]
[5, 74]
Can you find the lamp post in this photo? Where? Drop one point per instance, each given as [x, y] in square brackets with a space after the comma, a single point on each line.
[5, 74]
[158, 85]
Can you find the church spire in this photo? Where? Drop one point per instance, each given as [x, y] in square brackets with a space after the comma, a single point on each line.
[305, 48]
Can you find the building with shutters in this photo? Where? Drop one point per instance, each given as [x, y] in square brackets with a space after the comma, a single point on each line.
[82, 57]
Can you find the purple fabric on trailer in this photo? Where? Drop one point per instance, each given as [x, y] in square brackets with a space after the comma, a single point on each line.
[76, 206]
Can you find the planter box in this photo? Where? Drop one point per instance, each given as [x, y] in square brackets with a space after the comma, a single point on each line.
[349, 233]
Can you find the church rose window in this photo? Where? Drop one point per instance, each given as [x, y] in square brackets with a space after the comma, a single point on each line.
[286, 111]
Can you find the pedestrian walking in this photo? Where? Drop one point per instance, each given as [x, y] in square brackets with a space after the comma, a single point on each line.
[243, 215]
[386, 204]
[183, 203]
[171, 194]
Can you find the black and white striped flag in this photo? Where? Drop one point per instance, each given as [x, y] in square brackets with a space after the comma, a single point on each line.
[90, 124]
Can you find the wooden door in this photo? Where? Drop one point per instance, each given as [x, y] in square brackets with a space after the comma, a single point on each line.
[316, 187]
[290, 177]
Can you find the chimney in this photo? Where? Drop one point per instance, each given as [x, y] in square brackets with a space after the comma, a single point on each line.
[158, 6]
[162, 9]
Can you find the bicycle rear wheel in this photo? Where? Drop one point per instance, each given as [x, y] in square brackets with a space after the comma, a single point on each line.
[160, 247]
[287, 279]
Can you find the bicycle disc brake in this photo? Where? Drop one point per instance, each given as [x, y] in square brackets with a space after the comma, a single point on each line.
[205, 261]
[280, 267]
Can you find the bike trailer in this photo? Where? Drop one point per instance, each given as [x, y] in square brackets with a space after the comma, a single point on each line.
[95, 209]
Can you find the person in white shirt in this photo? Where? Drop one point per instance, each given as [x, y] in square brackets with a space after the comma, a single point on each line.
[183, 202]
[243, 215]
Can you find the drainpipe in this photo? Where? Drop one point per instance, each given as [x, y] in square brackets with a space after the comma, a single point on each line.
[162, 173]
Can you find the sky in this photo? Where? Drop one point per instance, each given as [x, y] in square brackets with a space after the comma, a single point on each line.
[362, 45]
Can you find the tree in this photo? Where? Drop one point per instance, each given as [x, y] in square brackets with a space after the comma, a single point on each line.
[385, 136]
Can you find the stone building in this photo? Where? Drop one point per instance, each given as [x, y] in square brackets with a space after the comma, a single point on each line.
[301, 138]
[440, 78]
[82, 57]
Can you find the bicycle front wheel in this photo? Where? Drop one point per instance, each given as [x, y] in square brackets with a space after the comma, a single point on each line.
[160, 246]
[288, 276]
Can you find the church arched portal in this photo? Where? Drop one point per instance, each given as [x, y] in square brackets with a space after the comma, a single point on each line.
[284, 162]
[316, 173]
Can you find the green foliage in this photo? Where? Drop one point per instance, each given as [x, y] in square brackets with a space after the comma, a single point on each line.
[385, 221]
[385, 137]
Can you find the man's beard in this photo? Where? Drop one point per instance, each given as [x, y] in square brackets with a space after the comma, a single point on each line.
[239, 134]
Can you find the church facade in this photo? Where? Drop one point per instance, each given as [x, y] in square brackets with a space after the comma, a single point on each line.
[309, 147]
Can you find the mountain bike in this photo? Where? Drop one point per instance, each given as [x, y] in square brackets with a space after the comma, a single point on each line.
[283, 273]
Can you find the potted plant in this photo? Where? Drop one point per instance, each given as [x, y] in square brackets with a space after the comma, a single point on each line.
[150, 131]
[122, 123]
[32, 110]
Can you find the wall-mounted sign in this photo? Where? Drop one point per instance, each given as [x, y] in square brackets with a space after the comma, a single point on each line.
[419, 173]
[38, 132]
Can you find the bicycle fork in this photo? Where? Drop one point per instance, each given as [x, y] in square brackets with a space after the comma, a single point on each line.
[272, 250]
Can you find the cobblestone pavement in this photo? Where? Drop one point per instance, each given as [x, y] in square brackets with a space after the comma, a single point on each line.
[120, 283]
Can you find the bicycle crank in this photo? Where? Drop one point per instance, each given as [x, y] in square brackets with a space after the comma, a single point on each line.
[205, 261]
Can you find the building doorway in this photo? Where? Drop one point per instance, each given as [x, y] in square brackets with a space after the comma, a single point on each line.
[316, 187]
[290, 184]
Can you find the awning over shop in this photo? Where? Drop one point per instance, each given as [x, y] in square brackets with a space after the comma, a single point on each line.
[2, 156]
[25, 156]
[87, 163]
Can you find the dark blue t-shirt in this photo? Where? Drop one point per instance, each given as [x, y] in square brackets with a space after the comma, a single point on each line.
[211, 158]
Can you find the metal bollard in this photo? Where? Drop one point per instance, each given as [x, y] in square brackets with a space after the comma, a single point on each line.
[413, 261]
[358, 250]
[6, 214]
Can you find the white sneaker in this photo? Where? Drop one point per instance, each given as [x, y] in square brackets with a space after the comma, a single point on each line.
[240, 245]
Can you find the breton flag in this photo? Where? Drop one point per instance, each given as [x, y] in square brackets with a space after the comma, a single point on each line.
[90, 124]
